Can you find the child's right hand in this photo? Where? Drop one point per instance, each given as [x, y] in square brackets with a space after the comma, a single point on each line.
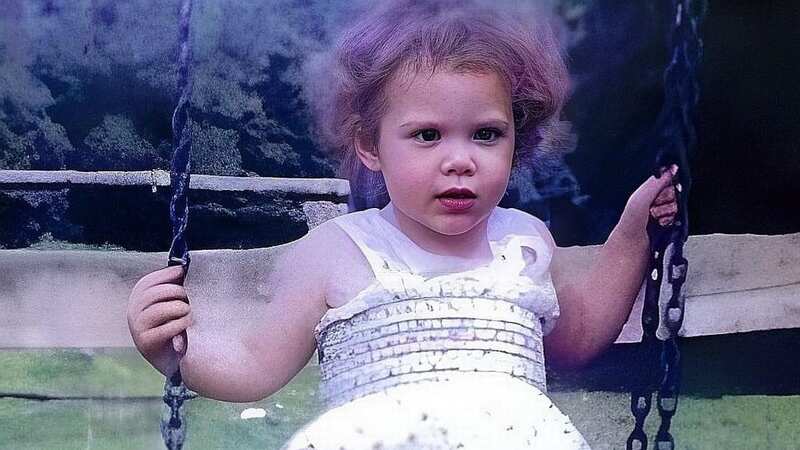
[158, 315]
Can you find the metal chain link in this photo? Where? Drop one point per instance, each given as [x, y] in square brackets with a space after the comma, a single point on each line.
[650, 370]
[667, 400]
[173, 425]
[677, 138]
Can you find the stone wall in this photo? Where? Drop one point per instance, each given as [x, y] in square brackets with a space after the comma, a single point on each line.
[130, 209]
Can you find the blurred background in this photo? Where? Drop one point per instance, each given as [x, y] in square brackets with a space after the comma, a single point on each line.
[90, 85]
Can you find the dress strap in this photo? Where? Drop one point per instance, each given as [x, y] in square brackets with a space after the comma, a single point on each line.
[367, 233]
[527, 252]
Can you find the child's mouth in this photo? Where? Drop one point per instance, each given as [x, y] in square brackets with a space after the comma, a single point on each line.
[457, 203]
[457, 198]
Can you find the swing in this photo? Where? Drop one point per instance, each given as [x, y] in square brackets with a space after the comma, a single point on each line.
[676, 139]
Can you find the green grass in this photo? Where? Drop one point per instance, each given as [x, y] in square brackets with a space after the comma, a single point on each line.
[739, 422]
[126, 407]
[730, 422]
[81, 424]
[96, 372]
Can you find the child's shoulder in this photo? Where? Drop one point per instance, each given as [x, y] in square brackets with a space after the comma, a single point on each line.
[321, 243]
[331, 254]
[337, 246]
[306, 257]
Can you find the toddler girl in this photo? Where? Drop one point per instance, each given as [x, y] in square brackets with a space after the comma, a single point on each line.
[430, 315]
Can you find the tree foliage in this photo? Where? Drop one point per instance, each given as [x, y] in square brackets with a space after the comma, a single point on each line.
[91, 85]
[115, 145]
[214, 150]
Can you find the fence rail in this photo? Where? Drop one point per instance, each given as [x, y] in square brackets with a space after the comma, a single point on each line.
[78, 298]
[160, 178]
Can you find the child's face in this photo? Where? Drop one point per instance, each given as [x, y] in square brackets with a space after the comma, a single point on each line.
[451, 130]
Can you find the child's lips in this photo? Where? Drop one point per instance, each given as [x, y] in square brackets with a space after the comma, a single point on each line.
[457, 199]
[458, 192]
[456, 204]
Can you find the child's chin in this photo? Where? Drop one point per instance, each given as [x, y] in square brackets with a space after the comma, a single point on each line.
[455, 226]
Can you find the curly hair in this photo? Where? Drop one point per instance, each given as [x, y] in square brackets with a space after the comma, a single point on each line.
[347, 85]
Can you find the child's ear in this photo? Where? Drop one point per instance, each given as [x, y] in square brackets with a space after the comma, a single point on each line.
[367, 152]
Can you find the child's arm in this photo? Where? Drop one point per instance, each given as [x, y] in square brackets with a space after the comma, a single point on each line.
[277, 340]
[595, 305]
[239, 364]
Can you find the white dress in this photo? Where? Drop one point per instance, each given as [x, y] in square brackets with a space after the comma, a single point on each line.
[428, 358]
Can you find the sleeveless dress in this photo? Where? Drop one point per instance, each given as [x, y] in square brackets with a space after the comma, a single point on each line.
[431, 358]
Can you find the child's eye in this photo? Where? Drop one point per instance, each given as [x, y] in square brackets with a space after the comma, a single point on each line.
[427, 135]
[487, 134]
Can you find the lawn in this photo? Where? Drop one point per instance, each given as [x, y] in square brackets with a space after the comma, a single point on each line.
[110, 399]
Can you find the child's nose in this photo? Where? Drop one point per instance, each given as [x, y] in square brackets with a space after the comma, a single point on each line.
[458, 161]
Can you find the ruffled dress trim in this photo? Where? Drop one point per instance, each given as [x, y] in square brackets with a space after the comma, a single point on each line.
[519, 271]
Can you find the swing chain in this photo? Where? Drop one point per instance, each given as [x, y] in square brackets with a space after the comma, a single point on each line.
[667, 399]
[684, 90]
[642, 395]
[677, 134]
[173, 426]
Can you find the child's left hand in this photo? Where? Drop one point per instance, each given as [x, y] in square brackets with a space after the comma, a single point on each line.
[656, 197]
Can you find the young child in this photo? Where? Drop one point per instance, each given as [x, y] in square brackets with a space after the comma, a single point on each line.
[431, 315]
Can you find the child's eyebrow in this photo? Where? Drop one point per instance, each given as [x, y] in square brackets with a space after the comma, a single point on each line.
[419, 124]
[498, 123]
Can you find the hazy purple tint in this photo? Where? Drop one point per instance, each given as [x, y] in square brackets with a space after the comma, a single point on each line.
[346, 94]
